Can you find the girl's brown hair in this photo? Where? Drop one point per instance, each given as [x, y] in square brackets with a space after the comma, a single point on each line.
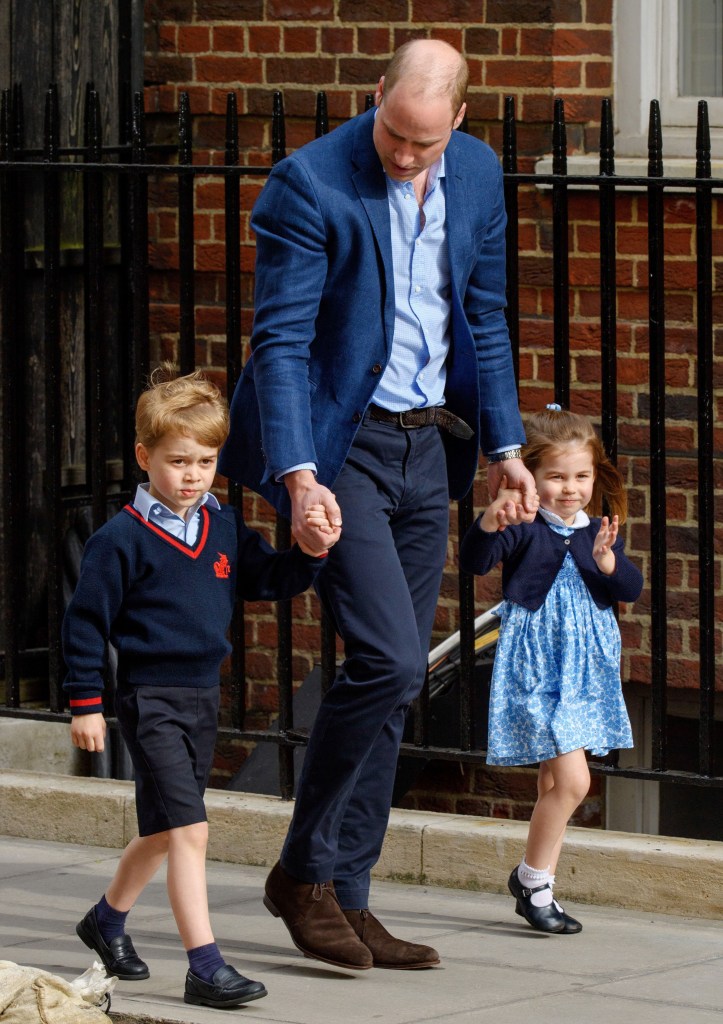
[554, 429]
[191, 405]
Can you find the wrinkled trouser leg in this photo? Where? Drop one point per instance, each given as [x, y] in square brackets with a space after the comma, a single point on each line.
[381, 586]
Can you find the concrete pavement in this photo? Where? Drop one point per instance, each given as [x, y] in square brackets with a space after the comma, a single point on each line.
[659, 874]
[627, 966]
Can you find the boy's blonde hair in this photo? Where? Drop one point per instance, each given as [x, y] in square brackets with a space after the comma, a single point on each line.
[190, 405]
[553, 429]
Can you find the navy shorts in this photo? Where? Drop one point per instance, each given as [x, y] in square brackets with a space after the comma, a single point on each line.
[170, 732]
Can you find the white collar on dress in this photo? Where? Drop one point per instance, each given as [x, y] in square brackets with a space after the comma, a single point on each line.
[581, 520]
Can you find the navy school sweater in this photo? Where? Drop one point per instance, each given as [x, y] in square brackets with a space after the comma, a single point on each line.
[166, 606]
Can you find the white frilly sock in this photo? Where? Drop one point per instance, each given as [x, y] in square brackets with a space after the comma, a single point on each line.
[530, 878]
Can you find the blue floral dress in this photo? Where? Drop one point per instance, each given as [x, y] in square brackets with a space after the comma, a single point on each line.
[556, 677]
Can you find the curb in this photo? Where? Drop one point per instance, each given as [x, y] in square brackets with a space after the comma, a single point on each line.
[656, 874]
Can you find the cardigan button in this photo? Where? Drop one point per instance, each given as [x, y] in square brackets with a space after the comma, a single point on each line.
[567, 540]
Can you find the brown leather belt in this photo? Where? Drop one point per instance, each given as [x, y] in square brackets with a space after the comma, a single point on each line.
[410, 419]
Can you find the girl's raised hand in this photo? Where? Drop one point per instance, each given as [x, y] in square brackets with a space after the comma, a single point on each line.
[602, 548]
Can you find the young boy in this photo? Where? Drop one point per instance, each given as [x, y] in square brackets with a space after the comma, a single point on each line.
[159, 581]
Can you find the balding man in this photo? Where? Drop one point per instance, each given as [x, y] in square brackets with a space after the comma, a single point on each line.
[381, 363]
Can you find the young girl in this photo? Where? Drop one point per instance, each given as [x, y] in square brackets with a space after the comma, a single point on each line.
[556, 681]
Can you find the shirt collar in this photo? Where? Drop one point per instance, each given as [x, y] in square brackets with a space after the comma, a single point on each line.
[580, 522]
[146, 504]
[436, 171]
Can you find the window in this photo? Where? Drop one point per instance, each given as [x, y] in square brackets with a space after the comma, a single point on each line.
[670, 50]
[700, 54]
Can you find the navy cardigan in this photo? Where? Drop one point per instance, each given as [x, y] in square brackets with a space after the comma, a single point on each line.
[532, 555]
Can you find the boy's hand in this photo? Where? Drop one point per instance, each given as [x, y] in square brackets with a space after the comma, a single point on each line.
[327, 535]
[88, 732]
[602, 548]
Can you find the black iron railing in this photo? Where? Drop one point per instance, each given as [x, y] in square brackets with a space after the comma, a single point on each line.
[113, 261]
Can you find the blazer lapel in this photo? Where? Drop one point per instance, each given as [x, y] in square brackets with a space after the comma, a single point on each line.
[370, 183]
[459, 240]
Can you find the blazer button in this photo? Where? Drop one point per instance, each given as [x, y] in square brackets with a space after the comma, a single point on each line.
[567, 540]
[356, 417]
[377, 368]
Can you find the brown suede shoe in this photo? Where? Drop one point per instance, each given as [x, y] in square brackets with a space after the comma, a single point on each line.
[395, 954]
[315, 920]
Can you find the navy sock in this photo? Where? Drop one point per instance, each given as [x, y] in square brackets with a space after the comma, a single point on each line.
[111, 922]
[204, 961]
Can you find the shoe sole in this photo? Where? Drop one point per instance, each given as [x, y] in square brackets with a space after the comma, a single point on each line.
[408, 967]
[307, 953]
[220, 1004]
[88, 940]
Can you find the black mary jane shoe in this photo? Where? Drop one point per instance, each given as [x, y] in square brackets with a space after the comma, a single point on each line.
[542, 919]
[118, 956]
[572, 927]
[227, 988]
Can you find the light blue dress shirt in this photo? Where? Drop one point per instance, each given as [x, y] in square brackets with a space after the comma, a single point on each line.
[154, 511]
[415, 375]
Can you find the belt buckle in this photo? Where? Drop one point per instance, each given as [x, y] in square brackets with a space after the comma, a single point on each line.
[400, 419]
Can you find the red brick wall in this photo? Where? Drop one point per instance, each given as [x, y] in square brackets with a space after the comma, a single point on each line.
[528, 49]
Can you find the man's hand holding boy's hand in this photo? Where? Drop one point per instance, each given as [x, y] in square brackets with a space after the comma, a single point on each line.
[88, 732]
[325, 535]
[317, 534]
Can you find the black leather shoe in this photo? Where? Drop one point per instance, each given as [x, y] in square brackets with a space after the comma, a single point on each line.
[118, 956]
[572, 927]
[543, 919]
[228, 988]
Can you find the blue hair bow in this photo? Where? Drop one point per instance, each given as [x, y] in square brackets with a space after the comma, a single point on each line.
[554, 407]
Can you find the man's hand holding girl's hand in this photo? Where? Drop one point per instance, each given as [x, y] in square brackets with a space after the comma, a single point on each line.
[507, 509]
[513, 474]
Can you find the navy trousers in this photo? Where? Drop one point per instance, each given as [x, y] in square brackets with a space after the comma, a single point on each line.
[381, 585]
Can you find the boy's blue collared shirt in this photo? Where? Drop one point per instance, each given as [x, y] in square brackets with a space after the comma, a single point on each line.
[154, 511]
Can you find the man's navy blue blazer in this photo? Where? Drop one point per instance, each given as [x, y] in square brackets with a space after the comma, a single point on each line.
[324, 311]
[532, 554]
